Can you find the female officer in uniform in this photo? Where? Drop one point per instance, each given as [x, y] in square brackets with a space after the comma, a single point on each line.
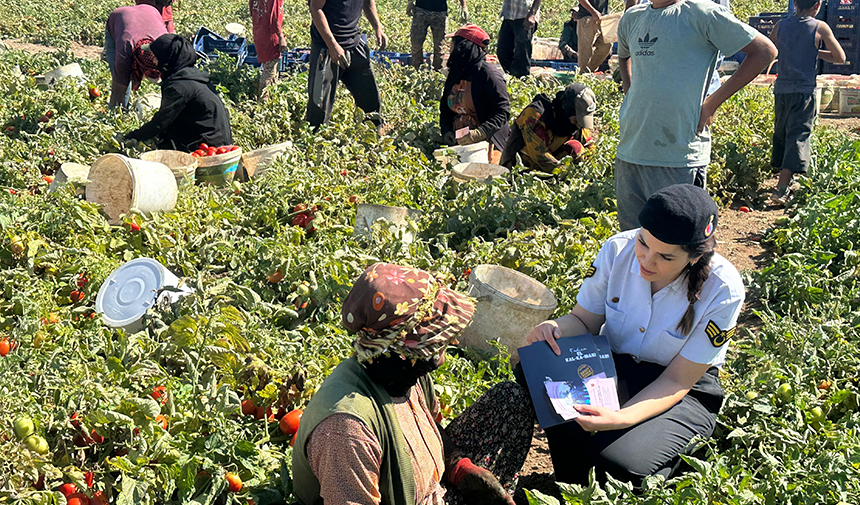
[669, 306]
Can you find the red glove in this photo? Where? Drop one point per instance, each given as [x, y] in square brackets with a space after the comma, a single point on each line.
[574, 148]
[477, 485]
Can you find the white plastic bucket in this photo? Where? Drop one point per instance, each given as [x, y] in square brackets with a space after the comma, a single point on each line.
[367, 214]
[131, 290]
[472, 153]
[481, 172]
[72, 70]
[181, 164]
[68, 172]
[256, 162]
[121, 184]
[509, 305]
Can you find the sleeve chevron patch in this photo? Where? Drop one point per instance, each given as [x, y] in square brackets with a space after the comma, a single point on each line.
[717, 336]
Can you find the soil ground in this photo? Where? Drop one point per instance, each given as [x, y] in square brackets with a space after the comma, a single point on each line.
[739, 242]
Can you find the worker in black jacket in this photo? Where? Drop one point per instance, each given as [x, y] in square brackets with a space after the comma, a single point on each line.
[191, 113]
[475, 98]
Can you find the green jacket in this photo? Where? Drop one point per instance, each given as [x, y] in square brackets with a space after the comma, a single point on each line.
[349, 390]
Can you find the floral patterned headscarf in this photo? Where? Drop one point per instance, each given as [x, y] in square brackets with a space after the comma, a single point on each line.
[393, 308]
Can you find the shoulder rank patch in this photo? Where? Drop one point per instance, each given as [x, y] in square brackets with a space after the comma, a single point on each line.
[590, 272]
[717, 336]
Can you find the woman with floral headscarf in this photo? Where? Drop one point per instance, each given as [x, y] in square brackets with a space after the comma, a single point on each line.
[127, 30]
[370, 434]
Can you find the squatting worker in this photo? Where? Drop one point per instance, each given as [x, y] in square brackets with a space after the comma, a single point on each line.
[548, 130]
[370, 435]
[191, 112]
[668, 304]
[267, 20]
[664, 136]
[127, 29]
[340, 53]
[475, 95]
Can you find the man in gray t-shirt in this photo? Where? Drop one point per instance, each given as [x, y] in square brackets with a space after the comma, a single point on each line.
[668, 51]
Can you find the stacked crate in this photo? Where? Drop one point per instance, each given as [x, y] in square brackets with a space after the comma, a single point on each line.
[764, 23]
[843, 16]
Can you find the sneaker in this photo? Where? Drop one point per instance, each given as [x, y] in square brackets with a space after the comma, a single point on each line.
[781, 197]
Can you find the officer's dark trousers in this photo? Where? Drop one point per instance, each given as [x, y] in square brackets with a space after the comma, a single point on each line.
[651, 447]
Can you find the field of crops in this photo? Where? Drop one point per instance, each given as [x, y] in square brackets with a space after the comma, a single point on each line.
[154, 417]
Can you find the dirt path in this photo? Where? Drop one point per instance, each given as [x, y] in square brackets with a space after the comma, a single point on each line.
[78, 49]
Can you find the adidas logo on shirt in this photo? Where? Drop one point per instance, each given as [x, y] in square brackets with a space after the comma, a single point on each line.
[645, 44]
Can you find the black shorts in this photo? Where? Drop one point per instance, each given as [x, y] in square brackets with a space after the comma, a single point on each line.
[794, 114]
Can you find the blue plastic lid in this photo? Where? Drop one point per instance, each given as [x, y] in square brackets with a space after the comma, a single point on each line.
[129, 291]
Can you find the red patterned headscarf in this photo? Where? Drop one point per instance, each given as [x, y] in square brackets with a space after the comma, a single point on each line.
[393, 308]
[143, 64]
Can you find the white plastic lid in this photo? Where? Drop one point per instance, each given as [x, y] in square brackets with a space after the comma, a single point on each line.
[129, 291]
[235, 29]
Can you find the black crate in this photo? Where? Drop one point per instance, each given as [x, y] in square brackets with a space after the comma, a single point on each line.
[843, 7]
[851, 65]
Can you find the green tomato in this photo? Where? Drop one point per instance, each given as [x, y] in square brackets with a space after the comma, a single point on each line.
[816, 415]
[784, 391]
[751, 395]
[24, 427]
[303, 289]
[37, 444]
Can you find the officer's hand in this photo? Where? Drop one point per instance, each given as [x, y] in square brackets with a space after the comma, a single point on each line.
[548, 332]
[601, 418]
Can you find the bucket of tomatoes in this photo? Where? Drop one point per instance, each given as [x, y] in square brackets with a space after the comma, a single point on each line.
[216, 165]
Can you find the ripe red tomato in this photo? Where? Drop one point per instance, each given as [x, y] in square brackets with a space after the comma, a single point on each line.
[5, 346]
[134, 226]
[234, 482]
[163, 420]
[159, 394]
[76, 296]
[196, 154]
[223, 149]
[67, 489]
[211, 151]
[77, 499]
[744, 209]
[98, 498]
[44, 119]
[289, 424]
[248, 407]
[88, 478]
[203, 146]
[48, 178]
[293, 440]
[96, 437]
[234, 148]
[353, 198]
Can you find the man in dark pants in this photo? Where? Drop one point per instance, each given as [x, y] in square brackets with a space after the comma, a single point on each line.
[519, 22]
[339, 53]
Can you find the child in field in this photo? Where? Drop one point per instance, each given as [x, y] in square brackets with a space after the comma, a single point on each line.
[797, 39]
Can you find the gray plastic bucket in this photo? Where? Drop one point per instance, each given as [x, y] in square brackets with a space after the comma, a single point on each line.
[509, 305]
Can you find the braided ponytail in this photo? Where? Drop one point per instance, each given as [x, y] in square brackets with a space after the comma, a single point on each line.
[697, 274]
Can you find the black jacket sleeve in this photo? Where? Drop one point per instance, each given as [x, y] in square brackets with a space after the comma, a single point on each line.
[492, 102]
[173, 102]
[446, 115]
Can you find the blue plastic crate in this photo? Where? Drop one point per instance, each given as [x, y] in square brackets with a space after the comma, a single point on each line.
[565, 66]
[841, 7]
[232, 47]
[387, 58]
[543, 63]
[202, 33]
[249, 56]
[293, 62]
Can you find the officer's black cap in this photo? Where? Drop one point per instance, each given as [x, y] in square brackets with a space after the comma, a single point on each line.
[681, 214]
